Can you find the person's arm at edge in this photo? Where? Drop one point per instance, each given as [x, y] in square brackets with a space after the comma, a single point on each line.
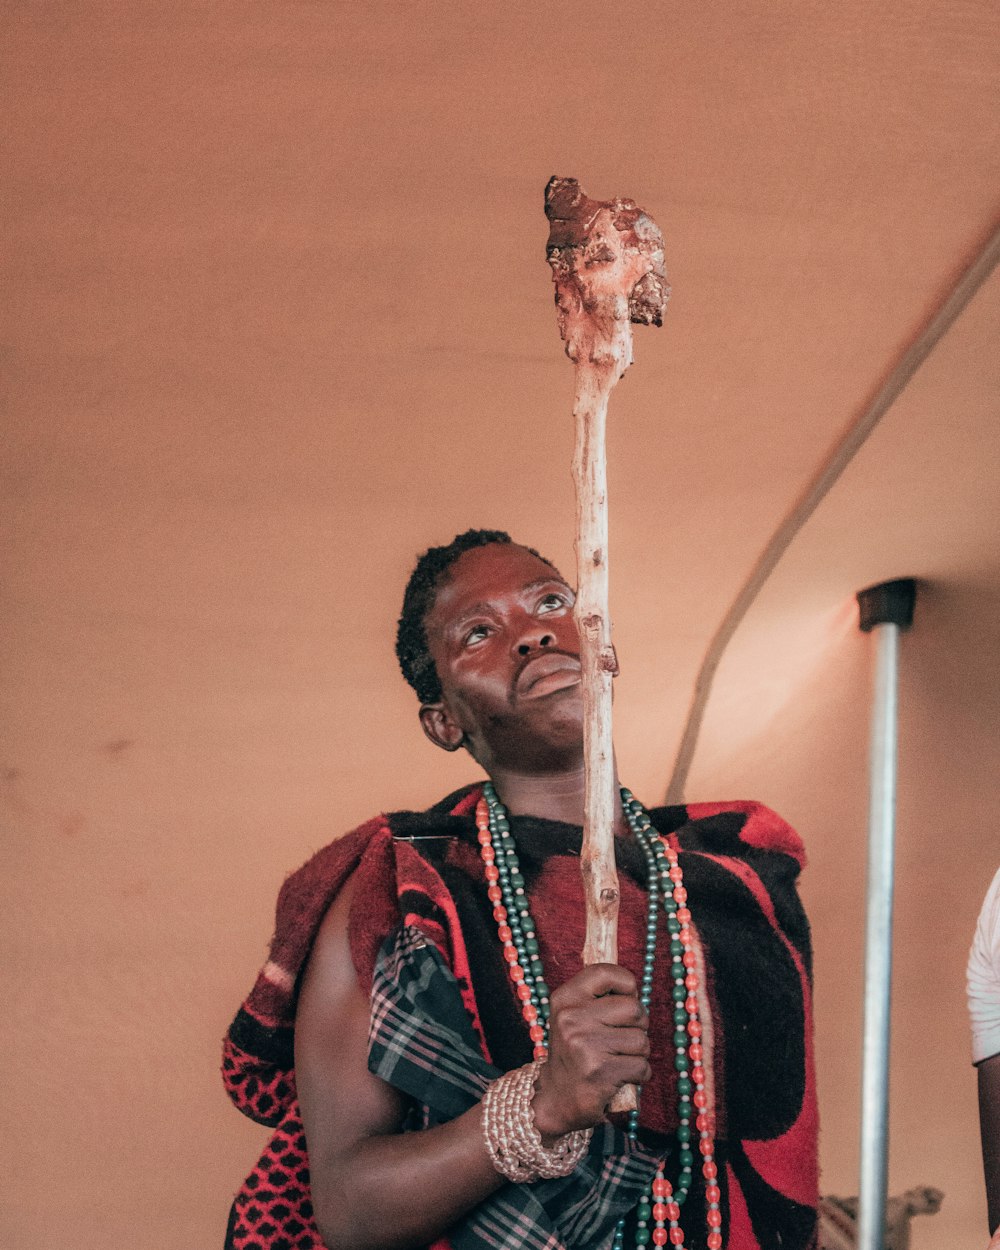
[988, 1072]
[375, 1188]
[370, 1185]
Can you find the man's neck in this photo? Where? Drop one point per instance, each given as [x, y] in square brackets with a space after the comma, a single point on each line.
[552, 796]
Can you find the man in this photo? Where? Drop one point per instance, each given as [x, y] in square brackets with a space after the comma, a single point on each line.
[389, 978]
[983, 986]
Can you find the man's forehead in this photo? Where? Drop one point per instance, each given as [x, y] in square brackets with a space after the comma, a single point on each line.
[506, 563]
[495, 569]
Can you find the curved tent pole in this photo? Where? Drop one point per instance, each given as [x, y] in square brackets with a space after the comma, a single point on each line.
[886, 609]
[815, 491]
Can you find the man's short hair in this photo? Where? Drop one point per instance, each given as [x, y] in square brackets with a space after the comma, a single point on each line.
[431, 570]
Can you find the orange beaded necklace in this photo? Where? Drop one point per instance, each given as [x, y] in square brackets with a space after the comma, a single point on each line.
[658, 1214]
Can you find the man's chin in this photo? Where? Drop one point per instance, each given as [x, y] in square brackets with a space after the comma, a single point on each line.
[562, 738]
[558, 749]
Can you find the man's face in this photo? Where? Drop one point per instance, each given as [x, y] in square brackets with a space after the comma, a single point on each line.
[502, 636]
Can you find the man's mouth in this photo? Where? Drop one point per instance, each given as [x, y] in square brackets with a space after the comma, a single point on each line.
[546, 673]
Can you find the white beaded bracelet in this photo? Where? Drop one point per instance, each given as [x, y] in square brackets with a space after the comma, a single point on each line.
[514, 1144]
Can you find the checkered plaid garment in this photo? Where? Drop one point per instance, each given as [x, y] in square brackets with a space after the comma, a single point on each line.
[422, 1042]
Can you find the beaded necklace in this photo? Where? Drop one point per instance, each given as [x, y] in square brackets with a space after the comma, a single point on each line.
[658, 1212]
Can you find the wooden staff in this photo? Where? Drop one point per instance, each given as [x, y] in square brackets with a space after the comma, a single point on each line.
[607, 266]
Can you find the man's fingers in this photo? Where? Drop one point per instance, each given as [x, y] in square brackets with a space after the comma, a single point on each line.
[627, 1042]
[596, 980]
[599, 1042]
[628, 1070]
[619, 1011]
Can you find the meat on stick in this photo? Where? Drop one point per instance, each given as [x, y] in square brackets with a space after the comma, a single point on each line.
[607, 266]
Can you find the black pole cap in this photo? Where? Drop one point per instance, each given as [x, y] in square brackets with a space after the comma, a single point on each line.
[888, 603]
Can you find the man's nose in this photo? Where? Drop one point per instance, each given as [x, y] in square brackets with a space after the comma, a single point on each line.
[532, 638]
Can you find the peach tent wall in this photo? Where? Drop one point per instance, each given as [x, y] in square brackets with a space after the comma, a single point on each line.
[278, 317]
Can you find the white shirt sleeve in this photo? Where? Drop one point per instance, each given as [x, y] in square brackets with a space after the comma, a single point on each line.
[983, 978]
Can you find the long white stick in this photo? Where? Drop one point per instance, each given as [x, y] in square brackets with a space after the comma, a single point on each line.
[607, 265]
[597, 657]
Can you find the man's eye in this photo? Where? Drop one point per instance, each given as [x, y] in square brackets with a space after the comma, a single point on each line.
[553, 602]
[476, 634]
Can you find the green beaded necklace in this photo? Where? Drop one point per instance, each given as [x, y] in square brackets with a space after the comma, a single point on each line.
[658, 1213]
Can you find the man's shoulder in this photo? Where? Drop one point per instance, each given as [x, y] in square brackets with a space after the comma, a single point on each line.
[731, 828]
[449, 817]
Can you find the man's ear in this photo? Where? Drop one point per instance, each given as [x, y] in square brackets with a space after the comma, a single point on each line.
[439, 725]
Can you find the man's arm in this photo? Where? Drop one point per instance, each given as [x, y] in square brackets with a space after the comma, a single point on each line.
[989, 1126]
[375, 1187]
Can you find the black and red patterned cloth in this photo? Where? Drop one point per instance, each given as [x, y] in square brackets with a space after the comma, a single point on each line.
[425, 948]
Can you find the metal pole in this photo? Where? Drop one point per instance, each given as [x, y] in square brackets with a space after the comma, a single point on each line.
[878, 943]
[885, 609]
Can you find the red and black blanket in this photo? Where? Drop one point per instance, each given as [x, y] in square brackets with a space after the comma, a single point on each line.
[420, 896]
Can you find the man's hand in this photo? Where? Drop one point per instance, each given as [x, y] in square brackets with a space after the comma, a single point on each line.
[598, 1041]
